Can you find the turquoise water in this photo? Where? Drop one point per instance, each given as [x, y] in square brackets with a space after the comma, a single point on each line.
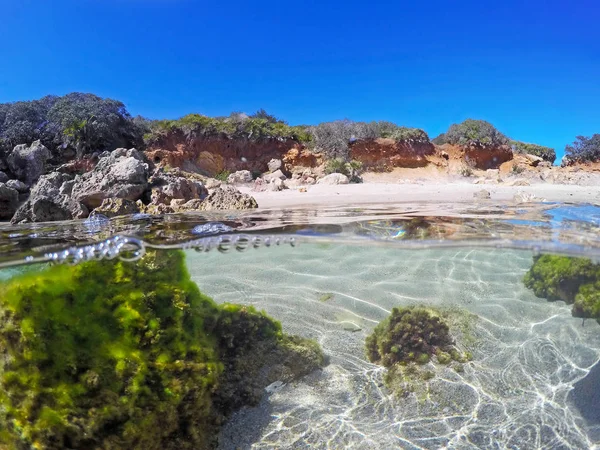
[333, 275]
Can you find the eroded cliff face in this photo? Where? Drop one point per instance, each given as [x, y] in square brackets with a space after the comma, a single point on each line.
[213, 155]
[475, 156]
[385, 154]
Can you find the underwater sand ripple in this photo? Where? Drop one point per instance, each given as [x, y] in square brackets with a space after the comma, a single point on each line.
[528, 353]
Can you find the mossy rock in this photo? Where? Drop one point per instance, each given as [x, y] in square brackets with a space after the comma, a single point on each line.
[408, 339]
[573, 280]
[110, 354]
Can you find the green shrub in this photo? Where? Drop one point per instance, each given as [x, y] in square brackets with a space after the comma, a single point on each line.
[111, 354]
[86, 120]
[474, 132]
[349, 168]
[333, 139]
[223, 175]
[237, 126]
[584, 149]
[574, 280]
[546, 153]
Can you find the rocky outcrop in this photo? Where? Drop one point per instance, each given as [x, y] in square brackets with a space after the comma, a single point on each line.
[334, 178]
[211, 155]
[166, 187]
[301, 158]
[487, 157]
[241, 176]
[274, 164]
[9, 201]
[227, 197]
[385, 154]
[120, 174]
[18, 186]
[46, 203]
[3, 177]
[28, 163]
[112, 207]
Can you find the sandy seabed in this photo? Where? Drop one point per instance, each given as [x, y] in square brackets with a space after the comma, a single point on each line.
[517, 393]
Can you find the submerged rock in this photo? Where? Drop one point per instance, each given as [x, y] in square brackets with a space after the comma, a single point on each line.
[227, 197]
[28, 163]
[573, 280]
[409, 337]
[111, 354]
[120, 174]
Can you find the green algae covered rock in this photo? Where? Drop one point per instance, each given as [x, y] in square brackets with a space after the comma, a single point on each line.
[574, 280]
[111, 354]
[411, 337]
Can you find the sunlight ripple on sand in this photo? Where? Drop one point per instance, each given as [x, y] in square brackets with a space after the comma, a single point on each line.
[527, 352]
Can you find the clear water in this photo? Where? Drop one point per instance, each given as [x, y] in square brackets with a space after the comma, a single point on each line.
[332, 275]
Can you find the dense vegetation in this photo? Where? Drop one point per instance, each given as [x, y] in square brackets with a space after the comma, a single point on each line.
[584, 149]
[574, 280]
[78, 124]
[472, 132]
[73, 124]
[333, 139]
[111, 354]
[545, 153]
[237, 126]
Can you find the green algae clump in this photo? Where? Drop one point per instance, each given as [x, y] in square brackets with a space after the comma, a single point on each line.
[573, 280]
[412, 334]
[112, 354]
[408, 338]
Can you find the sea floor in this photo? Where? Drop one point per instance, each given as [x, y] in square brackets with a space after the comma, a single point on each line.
[517, 393]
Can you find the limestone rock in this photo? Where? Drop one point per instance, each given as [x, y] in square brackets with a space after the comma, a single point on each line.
[112, 207]
[46, 203]
[274, 165]
[28, 163]
[212, 183]
[9, 201]
[241, 176]
[120, 174]
[3, 177]
[334, 178]
[167, 187]
[278, 174]
[18, 186]
[482, 195]
[227, 197]
[533, 160]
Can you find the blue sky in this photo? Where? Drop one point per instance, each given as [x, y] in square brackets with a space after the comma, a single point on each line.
[532, 68]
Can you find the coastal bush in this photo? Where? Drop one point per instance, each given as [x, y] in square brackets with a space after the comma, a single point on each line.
[113, 354]
[584, 149]
[82, 121]
[546, 153]
[473, 132]
[260, 125]
[349, 168]
[573, 280]
[333, 139]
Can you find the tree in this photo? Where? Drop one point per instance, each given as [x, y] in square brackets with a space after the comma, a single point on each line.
[584, 149]
[474, 132]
